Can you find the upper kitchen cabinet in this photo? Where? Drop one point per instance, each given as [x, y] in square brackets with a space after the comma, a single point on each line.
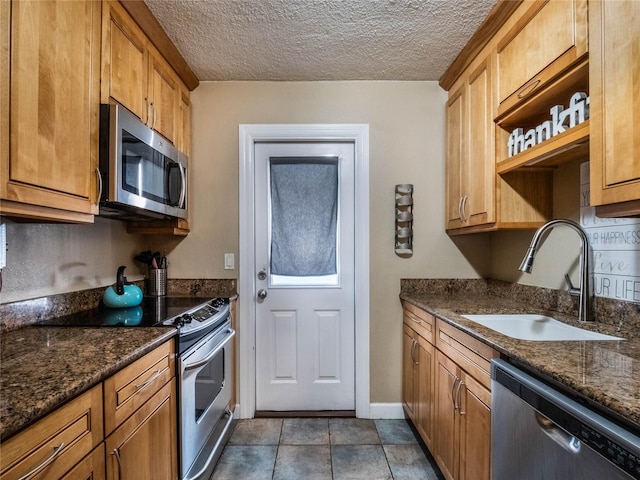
[470, 160]
[49, 87]
[183, 142]
[135, 75]
[614, 29]
[546, 38]
[143, 71]
[478, 199]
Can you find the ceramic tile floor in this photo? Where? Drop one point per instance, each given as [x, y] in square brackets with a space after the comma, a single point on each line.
[324, 448]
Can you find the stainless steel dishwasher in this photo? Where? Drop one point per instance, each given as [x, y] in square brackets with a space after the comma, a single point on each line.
[540, 433]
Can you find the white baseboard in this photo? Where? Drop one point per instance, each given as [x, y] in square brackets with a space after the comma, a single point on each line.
[377, 411]
[386, 411]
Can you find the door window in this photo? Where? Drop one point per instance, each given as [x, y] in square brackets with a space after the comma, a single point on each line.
[303, 194]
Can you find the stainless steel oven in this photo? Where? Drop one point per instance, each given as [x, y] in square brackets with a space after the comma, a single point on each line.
[205, 383]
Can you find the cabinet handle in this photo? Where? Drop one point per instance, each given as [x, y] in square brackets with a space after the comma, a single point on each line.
[116, 453]
[150, 380]
[56, 451]
[460, 209]
[413, 347]
[146, 120]
[464, 208]
[527, 89]
[460, 411]
[99, 175]
[183, 186]
[153, 109]
[453, 395]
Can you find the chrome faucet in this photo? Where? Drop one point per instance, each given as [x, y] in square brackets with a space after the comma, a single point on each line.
[584, 290]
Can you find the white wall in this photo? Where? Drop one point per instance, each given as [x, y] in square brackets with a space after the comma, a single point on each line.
[407, 145]
[559, 253]
[45, 259]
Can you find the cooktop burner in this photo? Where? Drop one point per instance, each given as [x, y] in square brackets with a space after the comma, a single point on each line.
[151, 312]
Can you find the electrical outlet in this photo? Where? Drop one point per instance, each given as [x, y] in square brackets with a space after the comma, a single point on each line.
[3, 245]
[229, 261]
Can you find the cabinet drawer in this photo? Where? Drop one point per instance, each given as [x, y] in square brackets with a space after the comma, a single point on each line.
[548, 38]
[63, 438]
[132, 386]
[469, 353]
[420, 321]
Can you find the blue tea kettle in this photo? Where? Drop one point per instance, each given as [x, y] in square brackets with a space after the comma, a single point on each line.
[122, 294]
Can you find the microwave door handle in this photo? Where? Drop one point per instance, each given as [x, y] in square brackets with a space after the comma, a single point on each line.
[183, 189]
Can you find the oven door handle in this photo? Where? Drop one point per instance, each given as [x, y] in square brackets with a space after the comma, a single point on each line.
[190, 366]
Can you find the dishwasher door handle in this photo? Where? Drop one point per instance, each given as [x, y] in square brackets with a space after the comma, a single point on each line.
[557, 434]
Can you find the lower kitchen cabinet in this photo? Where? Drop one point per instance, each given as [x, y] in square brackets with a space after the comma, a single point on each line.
[417, 367]
[446, 393]
[475, 430]
[462, 422]
[144, 446]
[53, 446]
[138, 405]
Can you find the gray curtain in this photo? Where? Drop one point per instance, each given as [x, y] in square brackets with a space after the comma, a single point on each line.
[304, 211]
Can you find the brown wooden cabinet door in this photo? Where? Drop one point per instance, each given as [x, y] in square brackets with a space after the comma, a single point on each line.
[183, 142]
[124, 61]
[446, 424]
[145, 446]
[408, 387]
[164, 97]
[54, 92]
[479, 168]
[424, 380]
[456, 157]
[614, 62]
[475, 431]
[471, 151]
[549, 37]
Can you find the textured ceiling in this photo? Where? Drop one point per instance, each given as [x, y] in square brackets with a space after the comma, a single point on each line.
[319, 39]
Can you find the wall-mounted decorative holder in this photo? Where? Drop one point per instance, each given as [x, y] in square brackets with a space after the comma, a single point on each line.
[404, 219]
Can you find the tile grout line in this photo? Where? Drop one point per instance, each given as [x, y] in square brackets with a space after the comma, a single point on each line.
[275, 460]
[384, 452]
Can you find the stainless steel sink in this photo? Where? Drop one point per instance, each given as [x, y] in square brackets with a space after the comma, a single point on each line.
[536, 327]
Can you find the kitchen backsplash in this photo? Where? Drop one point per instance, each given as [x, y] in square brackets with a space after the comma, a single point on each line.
[609, 311]
[19, 314]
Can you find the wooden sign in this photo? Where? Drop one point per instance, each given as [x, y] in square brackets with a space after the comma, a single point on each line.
[615, 243]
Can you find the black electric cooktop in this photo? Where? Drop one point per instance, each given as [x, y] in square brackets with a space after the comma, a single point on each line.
[150, 312]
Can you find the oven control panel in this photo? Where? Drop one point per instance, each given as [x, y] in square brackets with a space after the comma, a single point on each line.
[202, 317]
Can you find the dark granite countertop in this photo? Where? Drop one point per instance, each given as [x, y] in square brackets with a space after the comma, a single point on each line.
[43, 367]
[603, 372]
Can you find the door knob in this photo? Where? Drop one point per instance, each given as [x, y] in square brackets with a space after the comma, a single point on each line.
[262, 294]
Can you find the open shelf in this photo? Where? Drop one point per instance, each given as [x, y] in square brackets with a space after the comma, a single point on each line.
[567, 146]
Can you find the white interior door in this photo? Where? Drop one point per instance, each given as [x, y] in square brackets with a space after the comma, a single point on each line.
[304, 269]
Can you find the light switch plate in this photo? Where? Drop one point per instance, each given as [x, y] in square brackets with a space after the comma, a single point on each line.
[3, 245]
[229, 261]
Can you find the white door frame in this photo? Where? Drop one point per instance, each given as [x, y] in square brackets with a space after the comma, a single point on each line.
[248, 135]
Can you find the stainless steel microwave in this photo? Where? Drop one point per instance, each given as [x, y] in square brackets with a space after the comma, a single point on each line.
[143, 174]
